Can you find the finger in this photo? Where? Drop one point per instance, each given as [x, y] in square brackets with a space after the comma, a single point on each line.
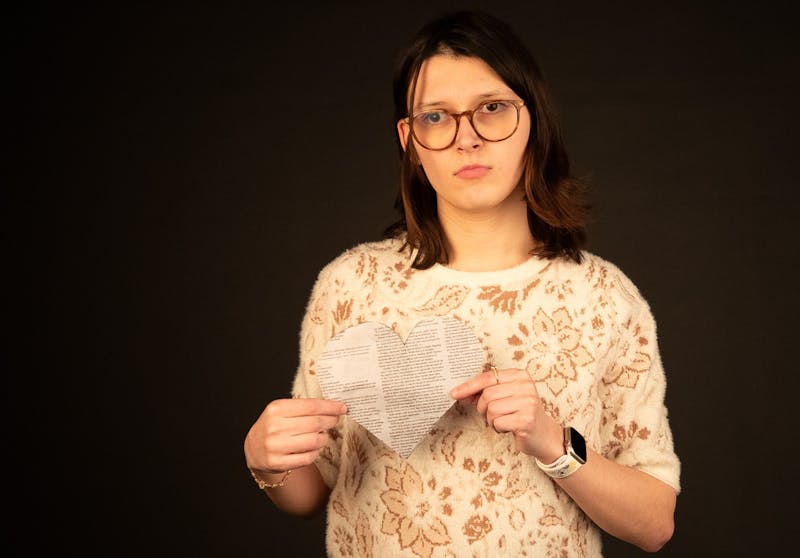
[474, 385]
[301, 443]
[305, 407]
[502, 407]
[313, 407]
[286, 452]
[507, 423]
[500, 391]
[291, 461]
[295, 426]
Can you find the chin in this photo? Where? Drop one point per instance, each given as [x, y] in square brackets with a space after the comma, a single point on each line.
[482, 202]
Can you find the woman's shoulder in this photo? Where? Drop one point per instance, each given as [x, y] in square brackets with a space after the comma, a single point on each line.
[603, 274]
[367, 257]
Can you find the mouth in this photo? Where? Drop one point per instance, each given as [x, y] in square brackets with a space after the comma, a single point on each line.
[472, 171]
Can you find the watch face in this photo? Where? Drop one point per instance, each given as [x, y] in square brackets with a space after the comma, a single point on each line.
[578, 443]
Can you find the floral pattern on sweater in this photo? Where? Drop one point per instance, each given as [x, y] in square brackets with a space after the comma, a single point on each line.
[583, 333]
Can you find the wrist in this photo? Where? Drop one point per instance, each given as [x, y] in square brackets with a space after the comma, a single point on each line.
[573, 457]
[554, 447]
[269, 479]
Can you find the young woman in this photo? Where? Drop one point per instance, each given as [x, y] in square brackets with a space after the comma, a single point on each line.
[566, 430]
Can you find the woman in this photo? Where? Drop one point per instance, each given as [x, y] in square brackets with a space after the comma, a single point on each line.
[490, 233]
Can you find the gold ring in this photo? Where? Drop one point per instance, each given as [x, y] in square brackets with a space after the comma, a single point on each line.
[496, 375]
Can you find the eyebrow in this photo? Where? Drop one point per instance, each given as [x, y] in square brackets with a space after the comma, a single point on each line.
[483, 96]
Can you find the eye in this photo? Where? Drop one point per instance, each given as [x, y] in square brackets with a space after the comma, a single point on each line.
[431, 118]
[494, 107]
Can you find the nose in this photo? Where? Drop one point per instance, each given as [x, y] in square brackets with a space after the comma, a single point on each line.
[466, 137]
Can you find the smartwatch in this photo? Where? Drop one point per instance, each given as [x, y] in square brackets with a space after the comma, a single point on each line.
[574, 456]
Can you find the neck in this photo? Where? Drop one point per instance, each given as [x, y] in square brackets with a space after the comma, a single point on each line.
[487, 241]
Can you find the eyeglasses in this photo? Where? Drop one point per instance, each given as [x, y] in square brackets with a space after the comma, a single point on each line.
[492, 120]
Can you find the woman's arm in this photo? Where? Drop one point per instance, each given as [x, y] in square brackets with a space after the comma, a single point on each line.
[625, 502]
[288, 436]
[303, 491]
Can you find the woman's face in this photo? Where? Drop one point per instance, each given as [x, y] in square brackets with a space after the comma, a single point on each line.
[473, 175]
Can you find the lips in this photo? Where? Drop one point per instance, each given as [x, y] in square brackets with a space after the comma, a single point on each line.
[472, 171]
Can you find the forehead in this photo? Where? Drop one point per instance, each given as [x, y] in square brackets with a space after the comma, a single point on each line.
[447, 79]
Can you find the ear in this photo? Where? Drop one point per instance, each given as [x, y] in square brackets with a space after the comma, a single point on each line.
[402, 132]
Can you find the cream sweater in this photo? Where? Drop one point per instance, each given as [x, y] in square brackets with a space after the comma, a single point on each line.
[584, 334]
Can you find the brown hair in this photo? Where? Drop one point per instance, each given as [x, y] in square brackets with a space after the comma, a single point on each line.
[557, 212]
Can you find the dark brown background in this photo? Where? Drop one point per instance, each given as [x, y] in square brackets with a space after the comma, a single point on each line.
[178, 175]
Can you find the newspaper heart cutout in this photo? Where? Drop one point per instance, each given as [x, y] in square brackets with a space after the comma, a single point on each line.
[399, 390]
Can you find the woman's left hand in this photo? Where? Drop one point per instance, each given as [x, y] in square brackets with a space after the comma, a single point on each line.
[509, 402]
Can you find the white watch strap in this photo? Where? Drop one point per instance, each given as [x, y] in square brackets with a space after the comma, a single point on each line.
[561, 468]
[568, 463]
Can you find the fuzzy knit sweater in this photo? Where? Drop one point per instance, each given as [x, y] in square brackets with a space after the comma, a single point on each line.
[584, 334]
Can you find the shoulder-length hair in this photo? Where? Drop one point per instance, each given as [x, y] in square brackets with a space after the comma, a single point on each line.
[557, 212]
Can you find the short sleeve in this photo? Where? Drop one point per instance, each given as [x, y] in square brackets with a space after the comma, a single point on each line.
[635, 428]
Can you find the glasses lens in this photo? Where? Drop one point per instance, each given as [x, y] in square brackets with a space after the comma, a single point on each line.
[495, 120]
[492, 120]
[434, 129]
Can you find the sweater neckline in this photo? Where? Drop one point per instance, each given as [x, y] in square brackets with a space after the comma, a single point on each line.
[519, 272]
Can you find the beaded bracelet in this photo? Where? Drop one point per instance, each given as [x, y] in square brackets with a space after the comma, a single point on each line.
[262, 484]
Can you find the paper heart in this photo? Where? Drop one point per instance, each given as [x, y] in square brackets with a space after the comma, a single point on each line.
[399, 390]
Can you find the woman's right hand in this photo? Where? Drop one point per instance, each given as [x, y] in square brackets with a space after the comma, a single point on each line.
[290, 433]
